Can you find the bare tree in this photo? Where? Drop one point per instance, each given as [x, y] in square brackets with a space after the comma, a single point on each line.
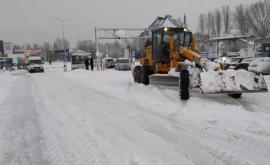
[218, 20]
[87, 45]
[212, 23]
[202, 24]
[258, 18]
[114, 50]
[59, 44]
[240, 19]
[208, 23]
[227, 19]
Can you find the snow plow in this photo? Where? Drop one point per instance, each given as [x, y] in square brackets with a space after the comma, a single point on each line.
[170, 59]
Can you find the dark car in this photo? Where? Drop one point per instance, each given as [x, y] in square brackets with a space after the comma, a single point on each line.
[238, 63]
[1, 63]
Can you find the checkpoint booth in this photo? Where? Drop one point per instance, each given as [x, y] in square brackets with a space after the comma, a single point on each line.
[78, 59]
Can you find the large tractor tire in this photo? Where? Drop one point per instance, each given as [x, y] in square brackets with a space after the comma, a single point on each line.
[184, 85]
[145, 73]
[137, 74]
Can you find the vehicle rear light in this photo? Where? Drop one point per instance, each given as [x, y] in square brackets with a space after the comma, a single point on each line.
[237, 66]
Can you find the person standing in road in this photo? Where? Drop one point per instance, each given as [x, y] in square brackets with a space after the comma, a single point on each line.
[92, 63]
[86, 62]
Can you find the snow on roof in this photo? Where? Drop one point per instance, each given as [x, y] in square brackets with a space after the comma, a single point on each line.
[230, 38]
[79, 52]
[167, 21]
[34, 58]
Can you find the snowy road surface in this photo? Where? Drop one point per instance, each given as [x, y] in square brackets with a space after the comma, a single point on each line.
[103, 118]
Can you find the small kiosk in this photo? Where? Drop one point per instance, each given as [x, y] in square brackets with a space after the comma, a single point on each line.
[78, 59]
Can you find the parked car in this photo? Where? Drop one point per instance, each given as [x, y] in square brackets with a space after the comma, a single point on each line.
[123, 64]
[1, 63]
[237, 63]
[109, 63]
[260, 65]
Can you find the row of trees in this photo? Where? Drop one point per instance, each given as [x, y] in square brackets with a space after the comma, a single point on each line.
[250, 19]
[113, 49]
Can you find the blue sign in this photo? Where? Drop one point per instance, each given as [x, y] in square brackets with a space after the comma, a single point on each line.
[62, 51]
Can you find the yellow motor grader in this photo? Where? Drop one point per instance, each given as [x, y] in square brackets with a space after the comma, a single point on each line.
[169, 58]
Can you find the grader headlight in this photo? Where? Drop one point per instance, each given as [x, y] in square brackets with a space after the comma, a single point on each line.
[166, 29]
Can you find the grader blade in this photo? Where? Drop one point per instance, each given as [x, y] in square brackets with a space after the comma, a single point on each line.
[232, 81]
[164, 80]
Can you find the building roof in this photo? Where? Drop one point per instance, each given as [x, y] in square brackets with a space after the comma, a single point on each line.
[79, 52]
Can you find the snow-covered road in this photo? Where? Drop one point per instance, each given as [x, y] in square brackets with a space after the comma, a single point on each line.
[103, 118]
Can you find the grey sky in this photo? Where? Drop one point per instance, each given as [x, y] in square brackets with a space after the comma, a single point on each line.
[22, 19]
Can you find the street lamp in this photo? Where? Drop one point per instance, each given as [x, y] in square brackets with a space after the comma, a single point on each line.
[44, 38]
[62, 21]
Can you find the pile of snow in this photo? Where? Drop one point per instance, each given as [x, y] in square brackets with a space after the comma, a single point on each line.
[231, 81]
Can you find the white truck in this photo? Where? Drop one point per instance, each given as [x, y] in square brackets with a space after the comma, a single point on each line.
[123, 64]
[35, 64]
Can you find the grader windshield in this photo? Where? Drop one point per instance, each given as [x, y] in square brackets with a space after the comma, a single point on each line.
[161, 42]
[182, 38]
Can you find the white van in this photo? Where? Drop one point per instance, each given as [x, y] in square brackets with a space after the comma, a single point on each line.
[35, 64]
[123, 64]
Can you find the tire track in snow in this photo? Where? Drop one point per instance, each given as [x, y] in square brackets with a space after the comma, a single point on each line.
[243, 140]
[76, 138]
[221, 155]
[181, 131]
[23, 136]
[194, 151]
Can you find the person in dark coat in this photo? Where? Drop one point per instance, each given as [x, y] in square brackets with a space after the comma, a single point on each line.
[92, 63]
[86, 62]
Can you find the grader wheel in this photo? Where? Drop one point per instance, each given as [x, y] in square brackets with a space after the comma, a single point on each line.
[184, 85]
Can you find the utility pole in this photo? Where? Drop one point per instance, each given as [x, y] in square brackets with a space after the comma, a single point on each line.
[97, 50]
[44, 39]
[114, 33]
[62, 21]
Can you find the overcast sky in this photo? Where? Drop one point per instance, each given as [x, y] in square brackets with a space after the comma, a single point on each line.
[22, 19]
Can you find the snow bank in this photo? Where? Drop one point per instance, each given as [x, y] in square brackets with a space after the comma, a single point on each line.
[231, 80]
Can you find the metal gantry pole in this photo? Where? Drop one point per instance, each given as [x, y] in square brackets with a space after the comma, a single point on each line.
[63, 35]
[64, 45]
[44, 38]
[97, 50]
[114, 37]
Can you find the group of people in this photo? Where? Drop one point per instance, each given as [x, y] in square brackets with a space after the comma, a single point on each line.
[89, 61]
